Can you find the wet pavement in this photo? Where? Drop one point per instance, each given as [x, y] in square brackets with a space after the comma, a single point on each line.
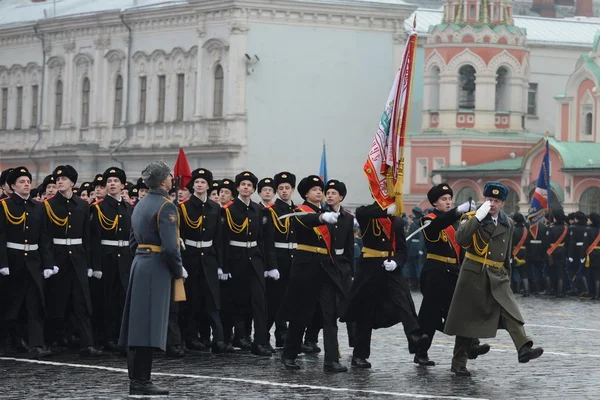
[568, 329]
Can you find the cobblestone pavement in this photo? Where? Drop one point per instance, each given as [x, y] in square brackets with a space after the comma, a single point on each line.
[568, 329]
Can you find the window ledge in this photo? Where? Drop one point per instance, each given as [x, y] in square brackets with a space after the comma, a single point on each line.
[466, 111]
[531, 116]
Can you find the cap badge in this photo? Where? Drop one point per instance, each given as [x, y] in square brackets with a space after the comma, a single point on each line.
[267, 180]
[112, 171]
[201, 171]
[99, 178]
[332, 184]
[445, 187]
[495, 191]
[59, 171]
[315, 179]
[284, 176]
[246, 174]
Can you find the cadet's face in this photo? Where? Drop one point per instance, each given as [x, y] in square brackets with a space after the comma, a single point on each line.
[142, 193]
[444, 203]
[51, 190]
[333, 197]
[22, 186]
[285, 191]
[266, 194]
[99, 192]
[173, 196]
[214, 195]
[114, 187]
[495, 205]
[63, 184]
[125, 195]
[589, 222]
[200, 186]
[183, 194]
[225, 196]
[84, 196]
[315, 195]
[245, 189]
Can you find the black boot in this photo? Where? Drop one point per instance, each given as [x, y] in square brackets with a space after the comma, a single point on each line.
[526, 287]
[242, 343]
[222, 347]
[195, 344]
[423, 360]
[141, 384]
[586, 289]
[548, 286]
[175, 352]
[260, 350]
[289, 363]
[460, 371]
[360, 363]
[477, 350]
[38, 352]
[310, 348]
[559, 288]
[527, 353]
[334, 366]
[417, 342]
[597, 297]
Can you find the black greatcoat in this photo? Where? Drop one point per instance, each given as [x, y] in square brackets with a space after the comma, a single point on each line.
[68, 219]
[31, 231]
[378, 296]
[209, 259]
[302, 294]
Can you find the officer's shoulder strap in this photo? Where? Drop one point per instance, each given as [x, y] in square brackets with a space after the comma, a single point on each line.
[48, 199]
[97, 202]
[270, 205]
[228, 204]
[348, 212]
[467, 216]
[185, 201]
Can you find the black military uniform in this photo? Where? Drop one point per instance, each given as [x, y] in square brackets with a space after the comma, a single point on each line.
[315, 279]
[68, 222]
[25, 250]
[244, 261]
[593, 252]
[111, 257]
[519, 262]
[280, 247]
[556, 252]
[5, 188]
[200, 230]
[416, 250]
[536, 260]
[578, 242]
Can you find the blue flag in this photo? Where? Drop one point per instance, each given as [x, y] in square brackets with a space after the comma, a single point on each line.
[323, 168]
[539, 200]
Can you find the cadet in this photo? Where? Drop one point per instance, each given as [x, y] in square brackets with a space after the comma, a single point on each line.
[416, 250]
[68, 219]
[483, 299]
[556, 254]
[4, 187]
[111, 257]
[519, 254]
[214, 191]
[266, 191]
[593, 252]
[578, 242]
[155, 241]
[25, 257]
[99, 185]
[227, 191]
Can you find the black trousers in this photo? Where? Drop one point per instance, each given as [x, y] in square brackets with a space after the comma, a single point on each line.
[139, 363]
[114, 302]
[328, 305]
[173, 330]
[77, 307]
[249, 302]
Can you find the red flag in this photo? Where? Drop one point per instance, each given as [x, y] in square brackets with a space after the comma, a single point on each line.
[182, 169]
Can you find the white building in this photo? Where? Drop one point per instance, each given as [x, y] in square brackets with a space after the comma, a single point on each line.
[239, 84]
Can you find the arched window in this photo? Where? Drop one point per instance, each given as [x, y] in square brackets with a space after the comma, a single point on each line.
[434, 94]
[464, 194]
[590, 200]
[511, 204]
[466, 87]
[58, 107]
[589, 117]
[118, 101]
[218, 93]
[85, 103]
[502, 89]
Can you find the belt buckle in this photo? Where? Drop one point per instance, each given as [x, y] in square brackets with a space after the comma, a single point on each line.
[121, 243]
[68, 242]
[26, 247]
[248, 245]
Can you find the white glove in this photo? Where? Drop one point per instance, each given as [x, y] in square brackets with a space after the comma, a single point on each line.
[274, 274]
[90, 272]
[222, 276]
[330, 217]
[420, 252]
[570, 259]
[390, 265]
[184, 273]
[97, 274]
[181, 242]
[55, 270]
[47, 273]
[483, 211]
[391, 209]
[466, 206]
[582, 260]
[266, 274]
[4, 271]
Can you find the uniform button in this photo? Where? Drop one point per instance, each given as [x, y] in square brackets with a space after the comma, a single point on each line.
[69, 213]
[120, 216]
[25, 254]
[249, 258]
[201, 254]
[249, 220]
[25, 240]
[118, 255]
[26, 227]
[203, 229]
[26, 213]
[69, 226]
[503, 240]
[489, 252]
[70, 252]
[119, 228]
[502, 254]
[292, 256]
[292, 232]
[383, 240]
[67, 201]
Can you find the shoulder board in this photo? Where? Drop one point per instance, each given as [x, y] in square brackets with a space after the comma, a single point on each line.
[185, 201]
[2, 199]
[48, 199]
[228, 204]
[270, 205]
[348, 212]
[97, 202]
[467, 215]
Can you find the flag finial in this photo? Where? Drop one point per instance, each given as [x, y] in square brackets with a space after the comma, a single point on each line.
[547, 134]
[415, 22]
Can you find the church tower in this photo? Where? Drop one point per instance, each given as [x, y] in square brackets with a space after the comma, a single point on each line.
[476, 69]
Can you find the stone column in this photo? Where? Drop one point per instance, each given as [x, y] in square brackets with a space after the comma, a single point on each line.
[485, 102]
[448, 104]
[201, 80]
[97, 111]
[68, 81]
[235, 78]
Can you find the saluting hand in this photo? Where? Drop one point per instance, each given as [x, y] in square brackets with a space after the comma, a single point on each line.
[483, 211]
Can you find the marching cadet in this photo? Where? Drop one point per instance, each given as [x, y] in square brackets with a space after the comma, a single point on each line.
[380, 297]
[68, 219]
[214, 191]
[155, 241]
[125, 191]
[519, 262]
[315, 279]
[578, 242]
[266, 191]
[555, 253]
[416, 250]
[142, 189]
[3, 186]
[244, 264]
[441, 269]
[99, 185]
[536, 260]
[84, 191]
[280, 247]
[133, 195]
[183, 194]
[111, 258]
[227, 191]
[25, 259]
[483, 299]
[593, 252]
[49, 185]
[200, 230]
